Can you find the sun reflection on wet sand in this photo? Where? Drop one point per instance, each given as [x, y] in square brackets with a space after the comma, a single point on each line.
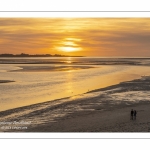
[69, 87]
[69, 60]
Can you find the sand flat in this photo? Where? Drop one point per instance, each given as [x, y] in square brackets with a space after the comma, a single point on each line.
[50, 68]
[102, 110]
[117, 120]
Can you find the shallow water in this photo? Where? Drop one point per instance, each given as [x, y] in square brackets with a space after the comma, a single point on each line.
[117, 96]
[40, 86]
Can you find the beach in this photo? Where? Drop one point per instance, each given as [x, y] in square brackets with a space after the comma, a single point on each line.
[101, 110]
[117, 120]
[74, 94]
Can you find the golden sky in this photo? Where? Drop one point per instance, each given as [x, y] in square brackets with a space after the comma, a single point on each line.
[76, 36]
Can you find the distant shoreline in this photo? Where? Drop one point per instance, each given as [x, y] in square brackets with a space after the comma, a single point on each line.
[35, 55]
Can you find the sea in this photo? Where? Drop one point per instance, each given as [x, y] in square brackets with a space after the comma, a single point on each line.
[42, 79]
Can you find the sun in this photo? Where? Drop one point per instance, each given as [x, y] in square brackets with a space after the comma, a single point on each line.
[69, 49]
[69, 45]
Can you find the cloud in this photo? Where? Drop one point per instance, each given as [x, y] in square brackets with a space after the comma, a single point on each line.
[94, 35]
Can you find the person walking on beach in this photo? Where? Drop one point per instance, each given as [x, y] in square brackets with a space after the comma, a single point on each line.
[131, 114]
[134, 113]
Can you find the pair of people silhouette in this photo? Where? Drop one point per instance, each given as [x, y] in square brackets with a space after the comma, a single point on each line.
[133, 114]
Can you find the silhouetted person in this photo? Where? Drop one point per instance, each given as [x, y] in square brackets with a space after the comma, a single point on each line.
[134, 113]
[131, 114]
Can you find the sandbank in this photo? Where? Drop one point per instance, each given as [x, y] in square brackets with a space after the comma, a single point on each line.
[6, 81]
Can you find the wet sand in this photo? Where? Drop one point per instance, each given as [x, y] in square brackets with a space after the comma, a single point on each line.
[6, 81]
[117, 120]
[49, 68]
[102, 110]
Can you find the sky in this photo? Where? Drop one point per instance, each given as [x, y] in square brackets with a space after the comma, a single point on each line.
[104, 37]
